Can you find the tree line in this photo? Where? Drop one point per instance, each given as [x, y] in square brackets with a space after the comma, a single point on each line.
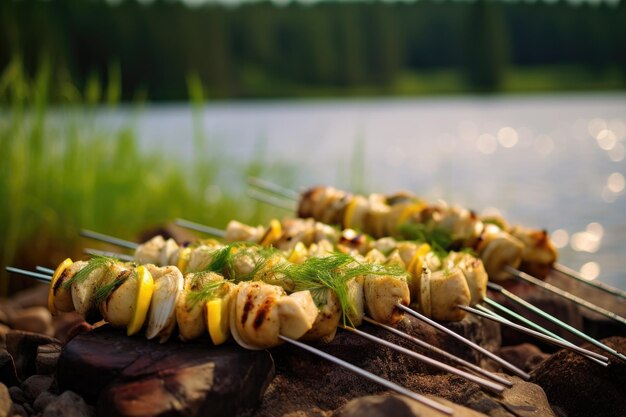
[261, 49]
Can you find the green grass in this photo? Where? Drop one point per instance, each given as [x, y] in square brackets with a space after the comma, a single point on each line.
[56, 178]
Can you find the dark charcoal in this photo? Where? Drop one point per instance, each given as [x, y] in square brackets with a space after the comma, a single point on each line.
[579, 387]
[134, 376]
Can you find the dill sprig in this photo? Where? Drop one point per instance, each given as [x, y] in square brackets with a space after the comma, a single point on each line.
[439, 239]
[104, 291]
[208, 291]
[95, 263]
[333, 272]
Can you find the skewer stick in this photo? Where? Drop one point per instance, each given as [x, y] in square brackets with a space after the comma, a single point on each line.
[554, 320]
[213, 231]
[271, 200]
[274, 188]
[108, 239]
[526, 330]
[462, 362]
[562, 293]
[36, 275]
[368, 375]
[120, 256]
[592, 356]
[593, 283]
[468, 342]
[497, 388]
[44, 270]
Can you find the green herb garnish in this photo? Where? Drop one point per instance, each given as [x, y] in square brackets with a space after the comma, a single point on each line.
[95, 263]
[439, 239]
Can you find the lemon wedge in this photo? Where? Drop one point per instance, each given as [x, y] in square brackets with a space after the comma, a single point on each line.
[408, 212]
[347, 217]
[57, 274]
[183, 259]
[218, 320]
[272, 234]
[415, 266]
[145, 288]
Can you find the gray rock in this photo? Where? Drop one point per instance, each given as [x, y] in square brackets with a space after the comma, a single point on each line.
[17, 395]
[29, 408]
[47, 358]
[5, 401]
[35, 385]
[33, 319]
[23, 348]
[68, 404]
[397, 406]
[43, 400]
[134, 376]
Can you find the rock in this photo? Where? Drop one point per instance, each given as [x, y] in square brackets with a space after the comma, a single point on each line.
[18, 410]
[8, 375]
[33, 319]
[68, 404]
[18, 395]
[5, 401]
[47, 358]
[134, 376]
[29, 408]
[3, 334]
[580, 387]
[36, 296]
[35, 385]
[397, 406]
[43, 400]
[524, 356]
[64, 323]
[23, 348]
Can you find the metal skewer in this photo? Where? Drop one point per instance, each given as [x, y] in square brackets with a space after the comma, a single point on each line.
[273, 188]
[562, 293]
[462, 362]
[468, 342]
[526, 330]
[592, 356]
[109, 239]
[121, 256]
[35, 275]
[593, 283]
[271, 200]
[497, 388]
[553, 319]
[368, 375]
[44, 270]
[213, 231]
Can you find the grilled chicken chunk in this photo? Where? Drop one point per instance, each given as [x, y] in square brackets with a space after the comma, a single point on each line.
[63, 296]
[539, 252]
[498, 249]
[474, 272]
[150, 252]
[118, 307]
[83, 293]
[189, 314]
[328, 317]
[448, 288]
[382, 293]
[297, 313]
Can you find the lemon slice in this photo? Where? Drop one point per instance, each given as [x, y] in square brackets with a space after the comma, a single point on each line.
[349, 214]
[415, 266]
[57, 274]
[408, 211]
[218, 320]
[272, 234]
[298, 254]
[183, 259]
[145, 288]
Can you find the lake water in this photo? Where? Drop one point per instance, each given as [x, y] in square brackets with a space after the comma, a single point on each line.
[555, 162]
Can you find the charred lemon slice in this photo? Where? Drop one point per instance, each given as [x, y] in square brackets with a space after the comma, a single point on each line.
[55, 277]
[272, 234]
[408, 212]
[218, 320]
[349, 214]
[145, 288]
[183, 259]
